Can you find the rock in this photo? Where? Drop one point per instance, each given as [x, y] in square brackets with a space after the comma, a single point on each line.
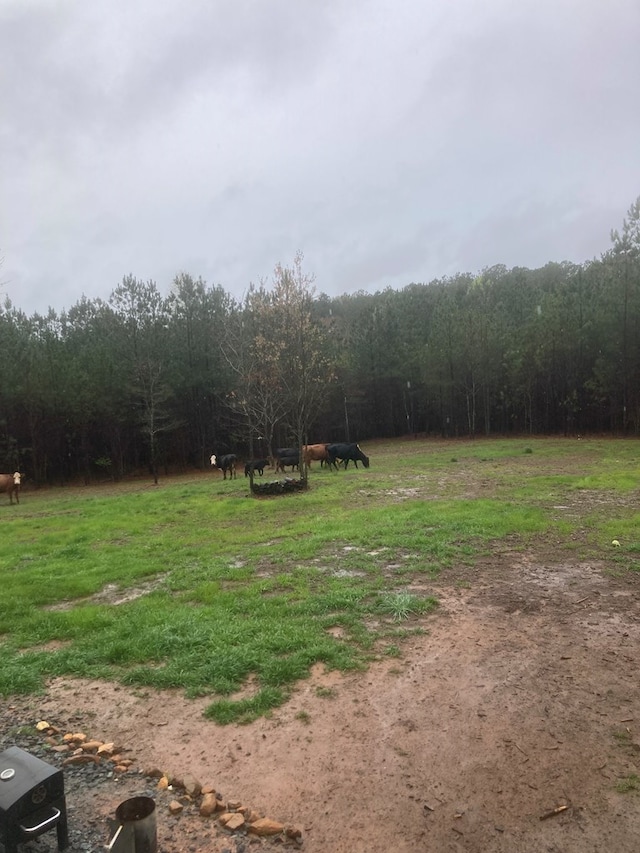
[191, 785]
[42, 726]
[107, 749]
[154, 773]
[254, 816]
[232, 820]
[163, 784]
[84, 758]
[92, 745]
[292, 832]
[209, 804]
[266, 826]
[175, 807]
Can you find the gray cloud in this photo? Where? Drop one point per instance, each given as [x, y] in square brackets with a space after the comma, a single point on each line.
[389, 142]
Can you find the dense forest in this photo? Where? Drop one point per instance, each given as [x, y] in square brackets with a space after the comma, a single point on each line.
[105, 389]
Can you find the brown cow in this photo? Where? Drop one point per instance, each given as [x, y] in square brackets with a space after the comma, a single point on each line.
[10, 483]
[315, 453]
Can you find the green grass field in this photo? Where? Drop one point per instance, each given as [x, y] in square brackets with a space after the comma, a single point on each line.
[195, 585]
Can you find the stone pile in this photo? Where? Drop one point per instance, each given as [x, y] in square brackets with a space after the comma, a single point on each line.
[233, 815]
[279, 487]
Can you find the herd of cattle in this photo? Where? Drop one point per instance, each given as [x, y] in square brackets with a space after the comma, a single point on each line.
[285, 457]
[289, 457]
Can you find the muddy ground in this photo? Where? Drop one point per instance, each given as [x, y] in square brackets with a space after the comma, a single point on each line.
[508, 726]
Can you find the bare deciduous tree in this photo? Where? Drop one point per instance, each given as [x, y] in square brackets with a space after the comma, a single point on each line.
[279, 355]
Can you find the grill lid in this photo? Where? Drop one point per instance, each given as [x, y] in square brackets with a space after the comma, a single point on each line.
[22, 774]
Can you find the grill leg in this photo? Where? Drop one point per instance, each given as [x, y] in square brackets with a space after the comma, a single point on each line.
[11, 839]
[62, 827]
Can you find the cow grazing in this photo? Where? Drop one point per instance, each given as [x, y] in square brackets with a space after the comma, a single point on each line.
[287, 456]
[10, 483]
[347, 453]
[256, 465]
[315, 453]
[283, 461]
[225, 463]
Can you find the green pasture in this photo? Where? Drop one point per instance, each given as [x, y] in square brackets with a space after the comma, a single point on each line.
[195, 585]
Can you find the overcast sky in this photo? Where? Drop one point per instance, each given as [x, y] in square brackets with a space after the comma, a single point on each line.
[391, 141]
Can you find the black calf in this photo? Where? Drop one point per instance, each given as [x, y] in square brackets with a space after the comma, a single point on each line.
[257, 465]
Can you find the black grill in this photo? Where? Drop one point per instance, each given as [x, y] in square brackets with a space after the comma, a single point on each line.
[31, 799]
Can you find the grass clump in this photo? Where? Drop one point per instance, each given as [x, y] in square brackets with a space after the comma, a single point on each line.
[304, 717]
[402, 605]
[628, 784]
[245, 711]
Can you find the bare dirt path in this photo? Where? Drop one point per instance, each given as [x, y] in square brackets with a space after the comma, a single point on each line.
[522, 697]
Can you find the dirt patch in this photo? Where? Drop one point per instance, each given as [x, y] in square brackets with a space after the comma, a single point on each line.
[111, 594]
[521, 697]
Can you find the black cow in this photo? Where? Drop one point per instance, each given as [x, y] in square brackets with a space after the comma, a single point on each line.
[287, 456]
[257, 465]
[347, 453]
[225, 463]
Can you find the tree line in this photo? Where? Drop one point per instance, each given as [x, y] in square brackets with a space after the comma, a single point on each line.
[146, 381]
